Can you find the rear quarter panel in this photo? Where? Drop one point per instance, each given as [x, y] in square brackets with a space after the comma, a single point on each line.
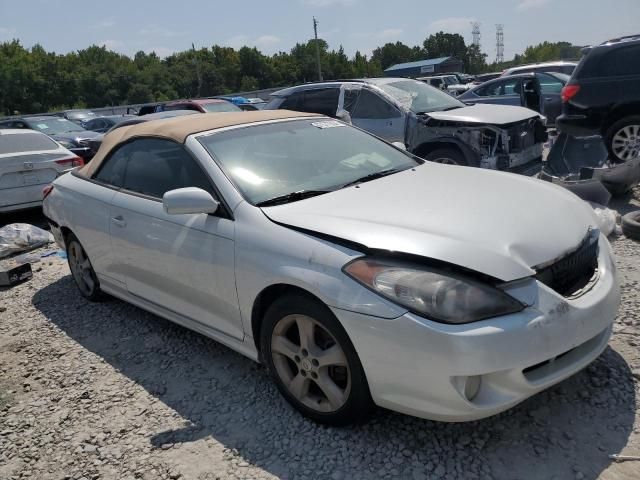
[83, 207]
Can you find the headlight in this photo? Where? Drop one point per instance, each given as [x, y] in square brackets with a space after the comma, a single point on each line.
[66, 144]
[436, 294]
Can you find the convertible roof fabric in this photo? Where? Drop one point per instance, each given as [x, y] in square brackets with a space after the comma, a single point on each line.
[179, 128]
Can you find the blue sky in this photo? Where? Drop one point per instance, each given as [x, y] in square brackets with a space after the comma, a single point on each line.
[168, 26]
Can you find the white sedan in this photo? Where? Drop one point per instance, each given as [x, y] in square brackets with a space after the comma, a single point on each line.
[358, 274]
[29, 162]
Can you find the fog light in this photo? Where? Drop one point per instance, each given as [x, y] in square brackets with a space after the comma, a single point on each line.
[472, 387]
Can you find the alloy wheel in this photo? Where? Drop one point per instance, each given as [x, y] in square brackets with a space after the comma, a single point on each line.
[626, 142]
[311, 363]
[81, 268]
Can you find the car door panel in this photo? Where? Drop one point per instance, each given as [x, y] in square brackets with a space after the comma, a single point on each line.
[184, 263]
[550, 96]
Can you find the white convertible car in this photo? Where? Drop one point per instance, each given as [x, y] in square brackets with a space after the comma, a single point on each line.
[343, 263]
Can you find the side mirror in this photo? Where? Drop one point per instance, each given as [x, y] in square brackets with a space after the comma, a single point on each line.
[189, 200]
[343, 115]
[399, 145]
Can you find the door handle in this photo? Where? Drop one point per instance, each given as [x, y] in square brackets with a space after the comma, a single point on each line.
[119, 221]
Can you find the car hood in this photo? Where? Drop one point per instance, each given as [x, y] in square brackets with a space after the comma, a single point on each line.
[495, 223]
[485, 113]
[75, 136]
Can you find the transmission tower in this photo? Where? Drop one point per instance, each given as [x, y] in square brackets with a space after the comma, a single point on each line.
[499, 43]
[476, 33]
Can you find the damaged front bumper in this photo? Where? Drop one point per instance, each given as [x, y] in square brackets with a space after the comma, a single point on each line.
[582, 165]
[515, 147]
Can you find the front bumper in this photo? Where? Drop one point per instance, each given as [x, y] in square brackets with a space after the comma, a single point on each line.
[419, 367]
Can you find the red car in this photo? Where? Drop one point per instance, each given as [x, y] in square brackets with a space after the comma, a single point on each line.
[204, 105]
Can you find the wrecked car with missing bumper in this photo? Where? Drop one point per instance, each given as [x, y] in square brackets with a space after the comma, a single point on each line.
[428, 122]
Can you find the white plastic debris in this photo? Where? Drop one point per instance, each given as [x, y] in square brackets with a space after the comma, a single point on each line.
[606, 218]
[20, 237]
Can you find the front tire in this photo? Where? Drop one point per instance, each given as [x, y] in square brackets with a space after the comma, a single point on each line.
[623, 139]
[313, 362]
[447, 156]
[82, 271]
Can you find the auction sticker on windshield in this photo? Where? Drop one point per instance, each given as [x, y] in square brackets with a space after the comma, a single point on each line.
[328, 124]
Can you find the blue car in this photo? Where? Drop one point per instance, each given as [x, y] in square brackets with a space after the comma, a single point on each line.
[537, 91]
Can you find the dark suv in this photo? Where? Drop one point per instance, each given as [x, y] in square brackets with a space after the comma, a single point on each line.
[603, 97]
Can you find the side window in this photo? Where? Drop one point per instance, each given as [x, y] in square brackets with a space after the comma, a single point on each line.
[510, 86]
[623, 61]
[156, 166]
[436, 82]
[350, 99]
[371, 106]
[323, 101]
[549, 84]
[112, 169]
[293, 101]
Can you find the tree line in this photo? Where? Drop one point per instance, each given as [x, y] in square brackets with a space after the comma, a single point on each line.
[34, 80]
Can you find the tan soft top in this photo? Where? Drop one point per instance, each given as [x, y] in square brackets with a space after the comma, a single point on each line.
[179, 128]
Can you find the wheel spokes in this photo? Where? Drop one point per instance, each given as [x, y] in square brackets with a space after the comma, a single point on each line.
[299, 386]
[284, 346]
[333, 356]
[335, 395]
[306, 332]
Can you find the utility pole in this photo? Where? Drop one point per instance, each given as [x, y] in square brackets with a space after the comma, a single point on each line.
[197, 65]
[315, 33]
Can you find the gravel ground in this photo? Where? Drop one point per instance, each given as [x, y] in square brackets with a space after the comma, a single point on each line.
[108, 391]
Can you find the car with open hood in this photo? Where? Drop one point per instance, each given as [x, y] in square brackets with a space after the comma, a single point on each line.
[343, 263]
[428, 122]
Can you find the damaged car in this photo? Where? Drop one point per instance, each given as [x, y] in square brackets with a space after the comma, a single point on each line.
[428, 122]
[343, 263]
[584, 166]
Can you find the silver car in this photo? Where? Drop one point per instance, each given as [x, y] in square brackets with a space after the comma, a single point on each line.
[343, 263]
[29, 162]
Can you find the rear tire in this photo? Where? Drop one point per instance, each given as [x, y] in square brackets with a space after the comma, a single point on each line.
[313, 362]
[82, 271]
[447, 156]
[623, 139]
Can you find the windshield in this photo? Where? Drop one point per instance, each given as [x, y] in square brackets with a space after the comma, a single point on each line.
[419, 97]
[53, 126]
[271, 160]
[220, 107]
[450, 80]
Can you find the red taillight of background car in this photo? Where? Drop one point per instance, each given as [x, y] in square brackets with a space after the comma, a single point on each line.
[569, 91]
[71, 162]
[46, 191]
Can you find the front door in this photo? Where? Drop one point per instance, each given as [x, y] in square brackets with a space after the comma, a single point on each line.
[183, 263]
[550, 99]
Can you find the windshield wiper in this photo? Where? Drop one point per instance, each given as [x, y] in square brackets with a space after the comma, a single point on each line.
[372, 176]
[291, 197]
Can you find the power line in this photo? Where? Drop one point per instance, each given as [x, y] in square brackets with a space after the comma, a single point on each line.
[315, 33]
[499, 43]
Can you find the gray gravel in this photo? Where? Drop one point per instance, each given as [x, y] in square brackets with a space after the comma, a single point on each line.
[108, 391]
